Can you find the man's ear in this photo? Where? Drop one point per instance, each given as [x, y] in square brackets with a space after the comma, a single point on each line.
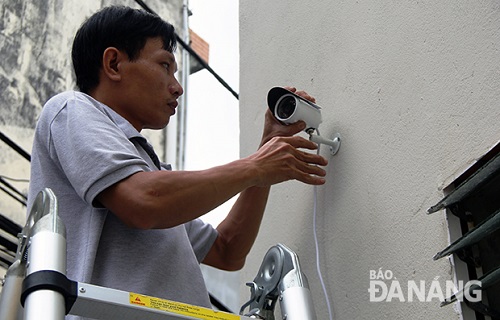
[110, 63]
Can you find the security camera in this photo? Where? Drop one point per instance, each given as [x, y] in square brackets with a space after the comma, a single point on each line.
[289, 108]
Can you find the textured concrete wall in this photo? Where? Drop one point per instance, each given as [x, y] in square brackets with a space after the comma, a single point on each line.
[35, 64]
[413, 88]
[35, 46]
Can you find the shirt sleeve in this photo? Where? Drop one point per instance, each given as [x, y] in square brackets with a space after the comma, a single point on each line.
[91, 149]
[202, 236]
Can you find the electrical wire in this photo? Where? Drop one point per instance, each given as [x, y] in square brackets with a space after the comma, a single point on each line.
[14, 179]
[12, 188]
[318, 268]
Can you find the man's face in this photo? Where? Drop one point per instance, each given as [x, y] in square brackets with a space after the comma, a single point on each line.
[150, 89]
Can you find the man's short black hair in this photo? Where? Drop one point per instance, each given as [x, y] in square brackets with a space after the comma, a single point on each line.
[121, 27]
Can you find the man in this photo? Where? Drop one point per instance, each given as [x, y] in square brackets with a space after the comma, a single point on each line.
[132, 224]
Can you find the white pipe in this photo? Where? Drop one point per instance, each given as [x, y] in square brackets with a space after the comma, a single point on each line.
[181, 132]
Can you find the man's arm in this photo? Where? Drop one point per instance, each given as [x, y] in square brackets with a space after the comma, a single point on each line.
[238, 231]
[162, 199]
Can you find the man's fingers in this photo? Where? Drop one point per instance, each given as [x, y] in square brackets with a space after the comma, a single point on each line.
[283, 160]
[300, 142]
[311, 179]
[311, 158]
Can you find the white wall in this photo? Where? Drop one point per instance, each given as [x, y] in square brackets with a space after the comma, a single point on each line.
[413, 87]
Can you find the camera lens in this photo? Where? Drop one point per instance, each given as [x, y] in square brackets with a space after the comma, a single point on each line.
[286, 107]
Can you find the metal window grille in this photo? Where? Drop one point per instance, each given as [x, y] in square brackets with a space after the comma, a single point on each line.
[476, 202]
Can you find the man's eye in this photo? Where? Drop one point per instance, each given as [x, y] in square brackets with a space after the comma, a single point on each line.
[166, 65]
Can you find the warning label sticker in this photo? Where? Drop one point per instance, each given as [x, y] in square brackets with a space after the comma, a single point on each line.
[180, 308]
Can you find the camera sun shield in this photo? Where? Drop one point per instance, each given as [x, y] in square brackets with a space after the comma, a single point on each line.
[290, 108]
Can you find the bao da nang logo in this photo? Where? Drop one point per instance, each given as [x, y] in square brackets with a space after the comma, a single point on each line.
[385, 287]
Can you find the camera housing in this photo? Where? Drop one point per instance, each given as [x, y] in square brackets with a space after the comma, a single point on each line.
[289, 108]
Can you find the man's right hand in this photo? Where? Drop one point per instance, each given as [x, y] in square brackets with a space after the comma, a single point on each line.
[280, 159]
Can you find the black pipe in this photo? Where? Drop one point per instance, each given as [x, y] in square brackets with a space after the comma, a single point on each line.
[13, 196]
[14, 146]
[11, 187]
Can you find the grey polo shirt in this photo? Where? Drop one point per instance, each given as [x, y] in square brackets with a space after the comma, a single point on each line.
[81, 147]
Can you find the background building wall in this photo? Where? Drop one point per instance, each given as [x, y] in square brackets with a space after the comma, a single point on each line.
[35, 46]
[35, 50]
[413, 88]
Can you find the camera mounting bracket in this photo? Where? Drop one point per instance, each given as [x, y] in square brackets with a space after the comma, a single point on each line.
[334, 142]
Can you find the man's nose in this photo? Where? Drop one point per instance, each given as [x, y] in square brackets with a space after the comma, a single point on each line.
[176, 89]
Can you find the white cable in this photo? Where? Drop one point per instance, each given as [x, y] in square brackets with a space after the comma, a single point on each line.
[318, 268]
